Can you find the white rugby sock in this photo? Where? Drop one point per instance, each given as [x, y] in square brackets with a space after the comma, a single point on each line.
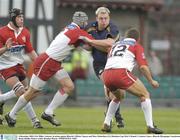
[113, 106]
[57, 100]
[18, 106]
[147, 109]
[8, 95]
[30, 112]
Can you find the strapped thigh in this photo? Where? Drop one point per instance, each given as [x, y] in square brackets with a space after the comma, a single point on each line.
[60, 74]
[37, 83]
[18, 86]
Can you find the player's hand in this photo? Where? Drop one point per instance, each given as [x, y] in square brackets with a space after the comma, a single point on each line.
[155, 84]
[9, 43]
[85, 39]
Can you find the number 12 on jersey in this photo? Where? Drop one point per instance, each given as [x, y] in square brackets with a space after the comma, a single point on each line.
[117, 50]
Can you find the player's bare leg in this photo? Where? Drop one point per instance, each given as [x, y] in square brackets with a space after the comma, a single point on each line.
[138, 89]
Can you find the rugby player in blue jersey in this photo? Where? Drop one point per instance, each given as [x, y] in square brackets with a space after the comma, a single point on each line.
[102, 29]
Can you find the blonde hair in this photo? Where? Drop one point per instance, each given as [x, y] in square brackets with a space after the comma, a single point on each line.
[102, 10]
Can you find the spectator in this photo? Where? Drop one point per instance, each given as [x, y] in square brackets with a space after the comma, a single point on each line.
[155, 64]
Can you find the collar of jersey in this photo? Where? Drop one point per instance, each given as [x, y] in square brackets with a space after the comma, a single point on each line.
[128, 41]
[9, 26]
[72, 23]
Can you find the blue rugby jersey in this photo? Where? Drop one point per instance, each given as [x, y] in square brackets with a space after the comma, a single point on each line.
[110, 31]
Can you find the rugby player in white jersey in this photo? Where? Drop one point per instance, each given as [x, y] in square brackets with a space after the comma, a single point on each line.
[48, 65]
[14, 40]
[117, 75]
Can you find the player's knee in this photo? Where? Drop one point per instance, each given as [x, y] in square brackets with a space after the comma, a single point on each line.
[31, 93]
[122, 95]
[119, 97]
[116, 100]
[26, 88]
[19, 89]
[69, 88]
[118, 94]
[144, 96]
[142, 99]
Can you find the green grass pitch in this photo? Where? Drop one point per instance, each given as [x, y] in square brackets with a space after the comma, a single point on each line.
[81, 120]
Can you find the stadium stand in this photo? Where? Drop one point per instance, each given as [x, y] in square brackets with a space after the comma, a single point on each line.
[169, 88]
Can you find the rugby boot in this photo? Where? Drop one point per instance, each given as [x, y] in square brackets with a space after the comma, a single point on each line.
[119, 120]
[11, 122]
[37, 125]
[1, 113]
[1, 108]
[51, 119]
[1, 120]
[106, 128]
[154, 130]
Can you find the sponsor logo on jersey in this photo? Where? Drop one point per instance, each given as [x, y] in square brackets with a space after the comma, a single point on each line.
[16, 48]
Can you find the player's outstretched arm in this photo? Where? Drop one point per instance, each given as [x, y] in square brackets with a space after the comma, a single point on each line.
[102, 45]
[146, 72]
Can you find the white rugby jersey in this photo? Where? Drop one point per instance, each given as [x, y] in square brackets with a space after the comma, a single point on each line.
[65, 41]
[125, 54]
